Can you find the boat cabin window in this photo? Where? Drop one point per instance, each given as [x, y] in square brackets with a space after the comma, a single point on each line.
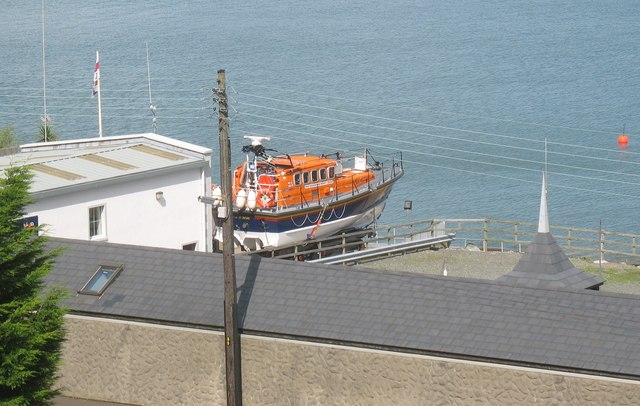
[323, 174]
[332, 172]
[296, 179]
[314, 176]
[305, 177]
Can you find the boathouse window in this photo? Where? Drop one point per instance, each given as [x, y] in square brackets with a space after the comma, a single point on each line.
[97, 222]
[101, 279]
[296, 179]
[305, 177]
[190, 246]
[332, 172]
[314, 176]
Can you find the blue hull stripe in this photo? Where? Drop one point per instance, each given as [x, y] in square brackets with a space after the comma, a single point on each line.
[279, 223]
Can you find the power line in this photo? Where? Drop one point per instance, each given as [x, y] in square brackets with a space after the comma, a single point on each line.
[430, 134]
[418, 123]
[412, 143]
[108, 115]
[58, 106]
[75, 89]
[461, 159]
[388, 105]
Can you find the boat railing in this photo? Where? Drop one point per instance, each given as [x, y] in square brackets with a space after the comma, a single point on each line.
[354, 187]
[386, 174]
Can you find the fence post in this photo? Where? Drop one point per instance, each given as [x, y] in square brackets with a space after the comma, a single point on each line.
[485, 240]
[601, 246]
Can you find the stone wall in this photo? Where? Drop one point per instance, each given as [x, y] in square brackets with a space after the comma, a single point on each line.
[146, 364]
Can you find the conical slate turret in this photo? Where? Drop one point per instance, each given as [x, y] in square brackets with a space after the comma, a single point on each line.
[545, 265]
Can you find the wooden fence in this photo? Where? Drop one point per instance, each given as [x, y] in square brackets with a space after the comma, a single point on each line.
[481, 234]
[500, 235]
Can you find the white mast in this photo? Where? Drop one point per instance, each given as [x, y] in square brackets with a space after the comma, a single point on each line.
[96, 90]
[152, 107]
[45, 118]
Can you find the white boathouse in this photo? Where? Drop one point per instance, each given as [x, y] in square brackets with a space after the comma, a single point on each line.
[133, 189]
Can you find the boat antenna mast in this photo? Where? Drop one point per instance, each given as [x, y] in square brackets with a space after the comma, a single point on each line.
[256, 145]
[152, 106]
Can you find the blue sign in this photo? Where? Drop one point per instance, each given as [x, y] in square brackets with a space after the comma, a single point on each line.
[29, 222]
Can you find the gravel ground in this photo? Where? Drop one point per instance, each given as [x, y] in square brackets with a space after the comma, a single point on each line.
[491, 265]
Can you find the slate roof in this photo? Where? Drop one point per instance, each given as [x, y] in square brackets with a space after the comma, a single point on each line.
[545, 265]
[580, 331]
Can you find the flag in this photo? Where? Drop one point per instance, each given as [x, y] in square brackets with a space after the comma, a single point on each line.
[96, 76]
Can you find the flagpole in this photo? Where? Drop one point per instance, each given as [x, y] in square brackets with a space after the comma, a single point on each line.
[44, 83]
[99, 111]
[154, 125]
[96, 90]
[99, 98]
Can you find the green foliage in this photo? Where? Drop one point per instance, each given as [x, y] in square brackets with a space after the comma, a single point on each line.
[51, 134]
[611, 271]
[30, 319]
[8, 137]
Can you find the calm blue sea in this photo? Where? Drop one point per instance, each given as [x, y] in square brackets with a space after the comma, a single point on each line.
[468, 90]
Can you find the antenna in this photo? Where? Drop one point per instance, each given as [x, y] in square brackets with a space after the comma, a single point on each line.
[256, 140]
[152, 107]
[45, 118]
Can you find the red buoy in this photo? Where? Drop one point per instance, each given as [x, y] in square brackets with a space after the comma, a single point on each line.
[623, 139]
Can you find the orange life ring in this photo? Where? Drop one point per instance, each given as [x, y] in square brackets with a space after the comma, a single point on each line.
[266, 191]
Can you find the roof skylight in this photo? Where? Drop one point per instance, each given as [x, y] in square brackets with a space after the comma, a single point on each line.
[101, 279]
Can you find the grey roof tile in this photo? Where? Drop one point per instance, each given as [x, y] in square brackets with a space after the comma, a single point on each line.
[567, 329]
[545, 265]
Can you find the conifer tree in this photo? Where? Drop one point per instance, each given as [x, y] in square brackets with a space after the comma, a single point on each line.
[8, 137]
[31, 319]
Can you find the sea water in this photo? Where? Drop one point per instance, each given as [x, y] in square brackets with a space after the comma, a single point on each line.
[480, 97]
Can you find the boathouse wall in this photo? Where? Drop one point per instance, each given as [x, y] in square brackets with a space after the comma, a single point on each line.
[139, 363]
[133, 214]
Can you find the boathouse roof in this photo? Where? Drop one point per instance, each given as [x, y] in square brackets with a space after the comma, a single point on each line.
[573, 330]
[60, 165]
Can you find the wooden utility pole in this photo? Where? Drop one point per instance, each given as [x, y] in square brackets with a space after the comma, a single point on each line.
[232, 337]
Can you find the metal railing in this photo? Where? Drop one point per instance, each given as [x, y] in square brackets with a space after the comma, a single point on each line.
[350, 241]
[381, 251]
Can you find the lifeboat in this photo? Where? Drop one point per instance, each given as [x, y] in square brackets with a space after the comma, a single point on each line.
[281, 199]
